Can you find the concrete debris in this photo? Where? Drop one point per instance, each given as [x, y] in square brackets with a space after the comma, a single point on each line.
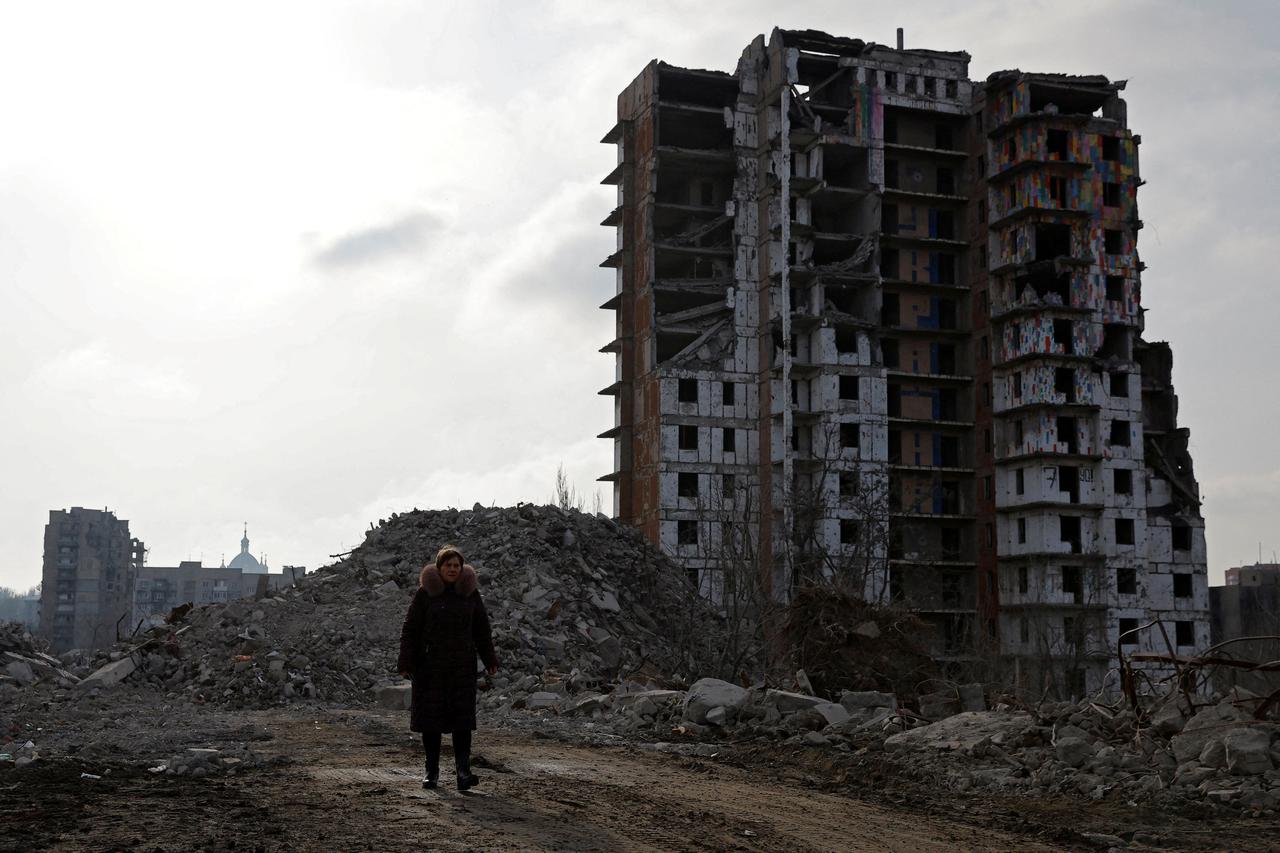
[110, 674]
[709, 693]
[394, 697]
[581, 657]
[198, 762]
[562, 589]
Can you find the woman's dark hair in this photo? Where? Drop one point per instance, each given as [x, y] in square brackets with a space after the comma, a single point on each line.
[446, 552]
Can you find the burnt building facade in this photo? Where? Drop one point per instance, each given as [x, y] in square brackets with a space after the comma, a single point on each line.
[881, 324]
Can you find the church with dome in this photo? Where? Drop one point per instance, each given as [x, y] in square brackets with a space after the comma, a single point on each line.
[158, 589]
[246, 562]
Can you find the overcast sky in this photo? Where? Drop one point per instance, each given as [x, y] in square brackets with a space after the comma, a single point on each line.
[307, 264]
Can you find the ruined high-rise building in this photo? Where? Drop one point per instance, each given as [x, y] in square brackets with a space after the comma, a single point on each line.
[881, 323]
[87, 588]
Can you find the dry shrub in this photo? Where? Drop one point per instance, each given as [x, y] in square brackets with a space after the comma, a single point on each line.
[822, 625]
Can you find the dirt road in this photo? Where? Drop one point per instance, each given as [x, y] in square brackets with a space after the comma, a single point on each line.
[351, 782]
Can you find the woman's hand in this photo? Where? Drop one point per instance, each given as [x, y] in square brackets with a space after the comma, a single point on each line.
[492, 670]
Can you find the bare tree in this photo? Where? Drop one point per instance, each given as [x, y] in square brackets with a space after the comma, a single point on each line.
[566, 494]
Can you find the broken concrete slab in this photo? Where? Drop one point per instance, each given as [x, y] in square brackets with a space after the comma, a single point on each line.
[396, 697]
[833, 713]
[606, 600]
[857, 699]
[1169, 719]
[111, 674]
[1248, 751]
[1209, 723]
[965, 731]
[20, 671]
[788, 703]
[542, 700]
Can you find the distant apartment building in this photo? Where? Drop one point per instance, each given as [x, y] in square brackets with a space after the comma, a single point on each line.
[1248, 604]
[881, 322]
[90, 562]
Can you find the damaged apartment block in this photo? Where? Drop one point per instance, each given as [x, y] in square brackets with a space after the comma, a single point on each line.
[881, 324]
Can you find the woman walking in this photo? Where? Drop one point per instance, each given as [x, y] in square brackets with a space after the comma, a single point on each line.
[444, 630]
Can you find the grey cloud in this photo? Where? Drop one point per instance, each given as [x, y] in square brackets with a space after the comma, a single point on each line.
[371, 245]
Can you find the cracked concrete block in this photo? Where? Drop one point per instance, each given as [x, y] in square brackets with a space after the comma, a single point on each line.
[111, 674]
[708, 693]
[396, 697]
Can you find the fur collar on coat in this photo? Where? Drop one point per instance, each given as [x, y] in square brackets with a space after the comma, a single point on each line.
[434, 584]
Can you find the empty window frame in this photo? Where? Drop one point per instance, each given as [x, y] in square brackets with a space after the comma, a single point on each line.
[1127, 581]
[848, 531]
[889, 352]
[1119, 385]
[1110, 148]
[1184, 633]
[1124, 531]
[687, 391]
[1058, 191]
[1072, 583]
[1113, 241]
[1182, 587]
[1181, 537]
[687, 485]
[1110, 194]
[848, 387]
[1056, 144]
[729, 440]
[688, 437]
[1128, 632]
[1122, 481]
[1115, 288]
[686, 533]
[1119, 436]
[849, 435]
[1064, 383]
[1020, 481]
[848, 484]
[1023, 582]
[728, 393]
[1022, 531]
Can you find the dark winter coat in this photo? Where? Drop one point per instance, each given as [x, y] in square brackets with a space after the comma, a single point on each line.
[445, 629]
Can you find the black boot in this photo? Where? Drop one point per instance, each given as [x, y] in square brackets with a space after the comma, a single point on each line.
[431, 744]
[462, 760]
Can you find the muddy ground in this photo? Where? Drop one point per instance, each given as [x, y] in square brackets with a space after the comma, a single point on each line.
[345, 780]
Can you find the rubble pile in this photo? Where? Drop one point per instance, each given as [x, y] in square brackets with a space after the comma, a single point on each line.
[24, 663]
[1218, 754]
[575, 600]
